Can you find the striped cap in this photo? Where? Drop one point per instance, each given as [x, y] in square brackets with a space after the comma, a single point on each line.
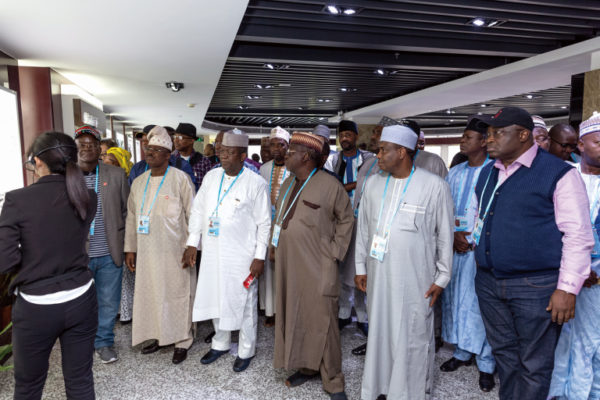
[88, 130]
[590, 125]
[309, 140]
[538, 122]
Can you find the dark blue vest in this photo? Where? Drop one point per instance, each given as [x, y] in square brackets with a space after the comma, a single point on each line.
[520, 236]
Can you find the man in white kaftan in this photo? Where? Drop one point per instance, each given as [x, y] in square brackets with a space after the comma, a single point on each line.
[400, 352]
[229, 248]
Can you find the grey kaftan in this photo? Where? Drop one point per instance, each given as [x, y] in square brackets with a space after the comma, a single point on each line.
[400, 348]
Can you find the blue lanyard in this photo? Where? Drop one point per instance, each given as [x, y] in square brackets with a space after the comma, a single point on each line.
[489, 204]
[271, 180]
[295, 198]
[93, 226]
[155, 195]
[362, 189]
[389, 225]
[462, 184]
[219, 198]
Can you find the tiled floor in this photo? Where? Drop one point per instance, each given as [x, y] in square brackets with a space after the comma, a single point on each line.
[137, 376]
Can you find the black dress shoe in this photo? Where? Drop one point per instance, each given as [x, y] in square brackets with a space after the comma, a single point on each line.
[179, 355]
[360, 350]
[212, 356]
[270, 321]
[486, 381]
[298, 379]
[153, 347]
[342, 322]
[338, 396]
[209, 337]
[453, 364]
[382, 397]
[241, 364]
[363, 327]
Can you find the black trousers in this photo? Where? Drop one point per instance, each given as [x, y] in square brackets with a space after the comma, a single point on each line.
[35, 330]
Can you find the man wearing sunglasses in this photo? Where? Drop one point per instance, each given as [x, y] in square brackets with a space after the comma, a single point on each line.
[563, 141]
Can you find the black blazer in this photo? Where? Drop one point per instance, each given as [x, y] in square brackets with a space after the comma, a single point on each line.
[43, 239]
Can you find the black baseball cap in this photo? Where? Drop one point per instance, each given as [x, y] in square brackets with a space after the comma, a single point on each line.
[145, 131]
[509, 116]
[186, 129]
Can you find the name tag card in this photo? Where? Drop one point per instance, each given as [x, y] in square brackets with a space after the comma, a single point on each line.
[460, 222]
[213, 226]
[476, 234]
[378, 247]
[276, 233]
[143, 225]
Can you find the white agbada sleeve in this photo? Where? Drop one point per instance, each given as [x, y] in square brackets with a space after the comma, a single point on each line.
[444, 221]
[197, 215]
[261, 213]
[361, 250]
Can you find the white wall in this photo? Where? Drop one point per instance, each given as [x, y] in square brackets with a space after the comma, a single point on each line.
[11, 161]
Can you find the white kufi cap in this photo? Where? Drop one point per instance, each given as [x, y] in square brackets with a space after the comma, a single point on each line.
[400, 135]
[280, 133]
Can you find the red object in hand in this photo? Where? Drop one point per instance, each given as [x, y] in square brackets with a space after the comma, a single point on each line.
[248, 281]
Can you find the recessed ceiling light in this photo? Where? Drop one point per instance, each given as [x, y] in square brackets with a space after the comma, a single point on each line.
[346, 89]
[276, 66]
[380, 72]
[451, 120]
[564, 107]
[349, 11]
[174, 86]
[252, 96]
[485, 105]
[300, 108]
[242, 106]
[269, 122]
[324, 100]
[533, 96]
[263, 86]
[450, 111]
[485, 22]
[333, 10]
[321, 119]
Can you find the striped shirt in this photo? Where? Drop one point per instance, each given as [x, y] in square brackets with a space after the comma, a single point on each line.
[98, 242]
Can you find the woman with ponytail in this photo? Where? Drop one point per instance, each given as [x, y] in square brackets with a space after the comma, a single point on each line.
[43, 234]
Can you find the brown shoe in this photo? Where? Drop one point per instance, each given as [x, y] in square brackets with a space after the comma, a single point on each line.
[270, 321]
[179, 355]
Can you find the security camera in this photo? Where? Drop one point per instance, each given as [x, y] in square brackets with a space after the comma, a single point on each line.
[174, 86]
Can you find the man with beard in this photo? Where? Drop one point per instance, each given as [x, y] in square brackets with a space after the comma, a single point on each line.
[274, 172]
[347, 164]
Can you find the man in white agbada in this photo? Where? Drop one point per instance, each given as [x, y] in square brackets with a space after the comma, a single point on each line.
[231, 214]
[274, 173]
[403, 261]
[158, 210]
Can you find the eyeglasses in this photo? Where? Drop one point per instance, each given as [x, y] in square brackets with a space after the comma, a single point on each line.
[149, 149]
[566, 146]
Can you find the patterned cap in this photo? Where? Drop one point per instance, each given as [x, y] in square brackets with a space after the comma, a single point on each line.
[235, 138]
[309, 140]
[387, 121]
[159, 136]
[280, 133]
[590, 125]
[538, 122]
[88, 130]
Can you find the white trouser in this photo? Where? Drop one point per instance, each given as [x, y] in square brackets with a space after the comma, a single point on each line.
[247, 339]
[348, 296]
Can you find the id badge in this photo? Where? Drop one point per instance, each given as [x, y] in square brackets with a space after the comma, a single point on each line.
[378, 247]
[272, 213]
[213, 226]
[460, 223]
[596, 250]
[276, 233]
[476, 234]
[143, 225]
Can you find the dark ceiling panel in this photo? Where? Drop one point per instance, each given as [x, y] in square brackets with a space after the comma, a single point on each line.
[417, 43]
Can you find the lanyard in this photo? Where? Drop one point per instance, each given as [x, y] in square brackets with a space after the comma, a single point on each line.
[389, 225]
[155, 195]
[362, 189]
[271, 180]
[295, 198]
[93, 226]
[462, 186]
[489, 204]
[219, 198]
